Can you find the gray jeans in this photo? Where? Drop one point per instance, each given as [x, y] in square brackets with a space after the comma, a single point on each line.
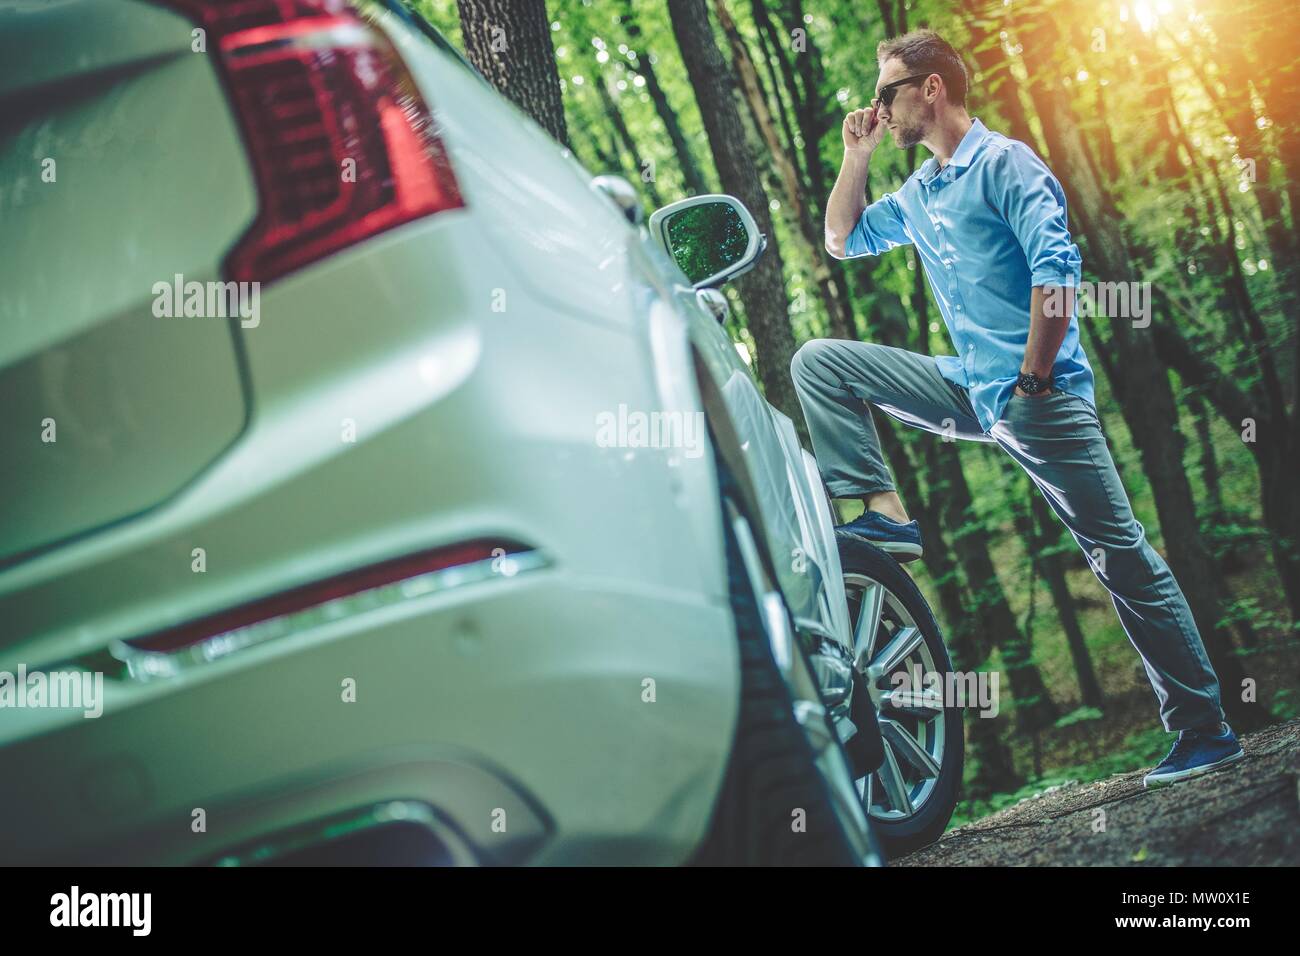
[1057, 439]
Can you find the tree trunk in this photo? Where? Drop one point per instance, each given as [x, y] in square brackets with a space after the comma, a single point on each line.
[1209, 461]
[509, 42]
[1046, 540]
[615, 117]
[763, 289]
[838, 309]
[843, 324]
[813, 108]
[782, 98]
[1228, 561]
[691, 174]
[999, 85]
[1277, 458]
[1238, 114]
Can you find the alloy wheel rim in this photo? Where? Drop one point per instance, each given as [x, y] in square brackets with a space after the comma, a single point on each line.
[888, 642]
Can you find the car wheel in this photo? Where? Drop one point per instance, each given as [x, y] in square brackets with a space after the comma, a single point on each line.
[788, 797]
[912, 794]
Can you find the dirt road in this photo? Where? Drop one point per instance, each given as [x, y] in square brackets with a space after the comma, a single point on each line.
[1247, 815]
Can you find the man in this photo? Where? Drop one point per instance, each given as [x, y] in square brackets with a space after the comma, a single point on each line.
[988, 222]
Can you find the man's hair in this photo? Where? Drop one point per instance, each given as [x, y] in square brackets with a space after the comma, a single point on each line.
[924, 51]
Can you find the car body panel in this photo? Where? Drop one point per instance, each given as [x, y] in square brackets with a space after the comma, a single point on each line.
[112, 409]
[773, 456]
[440, 382]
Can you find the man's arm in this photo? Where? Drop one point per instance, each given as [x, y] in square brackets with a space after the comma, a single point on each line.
[852, 227]
[1050, 309]
[847, 200]
[1033, 204]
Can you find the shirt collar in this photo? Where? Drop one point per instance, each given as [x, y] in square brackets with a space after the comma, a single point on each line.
[962, 156]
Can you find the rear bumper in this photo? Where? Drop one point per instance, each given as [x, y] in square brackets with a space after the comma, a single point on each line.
[548, 717]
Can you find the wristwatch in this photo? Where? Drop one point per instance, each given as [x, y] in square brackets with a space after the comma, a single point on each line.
[1031, 384]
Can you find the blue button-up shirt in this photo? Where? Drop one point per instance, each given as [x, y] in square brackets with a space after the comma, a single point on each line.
[988, 227]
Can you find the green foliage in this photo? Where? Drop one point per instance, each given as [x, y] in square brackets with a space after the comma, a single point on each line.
[1079, 716]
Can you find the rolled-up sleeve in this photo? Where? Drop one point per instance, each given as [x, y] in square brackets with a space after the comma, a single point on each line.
[1032, 202]
[880, 228]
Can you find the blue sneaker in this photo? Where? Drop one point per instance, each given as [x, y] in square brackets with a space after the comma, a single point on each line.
[1196, 752]
[903, 541]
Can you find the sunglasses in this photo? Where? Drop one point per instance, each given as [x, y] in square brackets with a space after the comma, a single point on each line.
[887, 93]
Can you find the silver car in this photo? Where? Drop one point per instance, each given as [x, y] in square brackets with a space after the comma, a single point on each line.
[377, 488]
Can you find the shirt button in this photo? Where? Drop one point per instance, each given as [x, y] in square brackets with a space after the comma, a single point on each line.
[958, 308]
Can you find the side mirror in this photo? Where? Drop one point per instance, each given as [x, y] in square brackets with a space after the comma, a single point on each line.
[712, 238]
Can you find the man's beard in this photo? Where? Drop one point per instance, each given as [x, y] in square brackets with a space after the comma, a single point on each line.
[911, 133]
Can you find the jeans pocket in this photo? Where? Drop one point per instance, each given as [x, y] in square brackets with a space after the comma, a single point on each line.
[1018, 403]
[1045, 415]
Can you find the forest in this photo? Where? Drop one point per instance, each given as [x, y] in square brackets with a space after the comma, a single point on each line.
[1169, 126]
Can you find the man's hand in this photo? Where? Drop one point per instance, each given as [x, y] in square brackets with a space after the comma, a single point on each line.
[862, 131]
[1047, 391]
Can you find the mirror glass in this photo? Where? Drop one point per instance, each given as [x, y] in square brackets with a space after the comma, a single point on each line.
[706, 239]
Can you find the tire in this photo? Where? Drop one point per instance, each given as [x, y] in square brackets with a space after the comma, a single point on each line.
[943, 735]
[772, 770]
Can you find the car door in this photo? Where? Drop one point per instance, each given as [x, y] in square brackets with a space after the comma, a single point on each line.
[767, 442]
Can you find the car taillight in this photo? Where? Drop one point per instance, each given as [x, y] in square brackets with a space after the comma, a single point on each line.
[341, 142]
[362, 589]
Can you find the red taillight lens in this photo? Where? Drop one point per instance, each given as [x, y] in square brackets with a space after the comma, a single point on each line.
[319, 593]
[341, 142]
